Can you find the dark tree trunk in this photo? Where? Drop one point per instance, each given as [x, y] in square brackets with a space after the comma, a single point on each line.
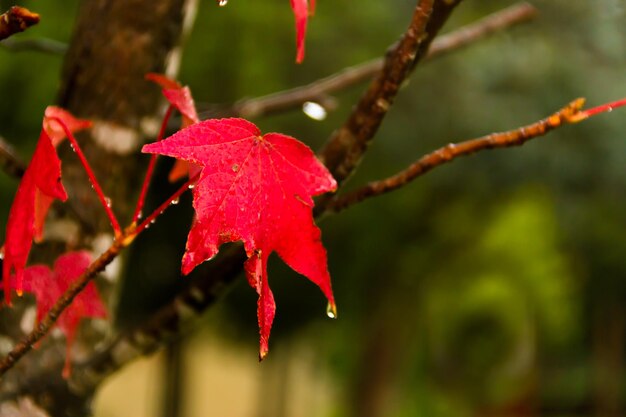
[114, 44]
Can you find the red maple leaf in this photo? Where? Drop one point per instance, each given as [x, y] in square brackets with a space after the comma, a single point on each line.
[301, 11]
[257, 189]
[40, 185]
[180, 98]
[48, 286]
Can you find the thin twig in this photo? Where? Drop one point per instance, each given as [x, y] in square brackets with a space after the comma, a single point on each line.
[517, 137]
[9, 162]
[467, 35]
[16, 19]
[48, 46]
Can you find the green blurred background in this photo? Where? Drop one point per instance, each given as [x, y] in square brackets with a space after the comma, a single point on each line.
[491, 286]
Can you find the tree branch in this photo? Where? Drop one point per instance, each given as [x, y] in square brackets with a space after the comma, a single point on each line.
[568, 114]
[167, 324]
[346, 146]
[48, 46]
[9, 162]
[16, 19]
[467, 35]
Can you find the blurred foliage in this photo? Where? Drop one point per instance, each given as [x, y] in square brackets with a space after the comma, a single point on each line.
[478, 289]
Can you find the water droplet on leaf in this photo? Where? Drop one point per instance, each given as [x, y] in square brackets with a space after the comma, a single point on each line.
[222, 3]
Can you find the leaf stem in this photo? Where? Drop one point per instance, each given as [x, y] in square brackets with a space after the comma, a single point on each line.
[146, 182]
[607, 107]
[159, 210]
[92, 178]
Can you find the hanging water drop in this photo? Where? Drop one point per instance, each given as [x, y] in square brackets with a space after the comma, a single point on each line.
[175, 201]
[108, 202]
[331, 311]
[222, 3]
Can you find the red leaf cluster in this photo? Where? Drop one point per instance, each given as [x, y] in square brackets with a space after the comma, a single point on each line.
[40, 185]
[48, 286]
[257, 189]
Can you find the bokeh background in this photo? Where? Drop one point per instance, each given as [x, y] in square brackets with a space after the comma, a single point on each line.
[493, 286]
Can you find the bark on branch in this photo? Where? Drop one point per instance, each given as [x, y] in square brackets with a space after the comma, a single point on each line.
[346, 146]
[515, 137]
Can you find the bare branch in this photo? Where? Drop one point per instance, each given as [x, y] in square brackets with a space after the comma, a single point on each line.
[48, 46]
[16, 19]
[346, 146]
[517, 137]
[488, 25]
[9, 162]
[317, 90]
